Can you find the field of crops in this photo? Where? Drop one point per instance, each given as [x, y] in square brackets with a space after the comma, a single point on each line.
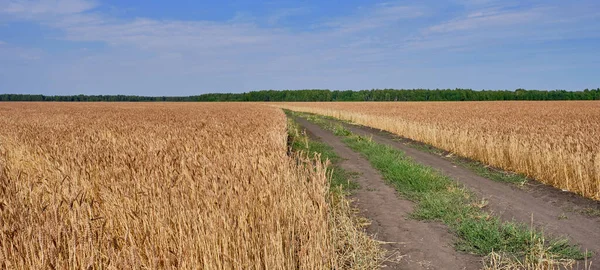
[166, 185]
[557, 143]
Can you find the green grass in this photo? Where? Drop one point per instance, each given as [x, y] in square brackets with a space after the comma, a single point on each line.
[491, 173]
[588, 211]
[591, 212]
[475, 166]
[439, 198]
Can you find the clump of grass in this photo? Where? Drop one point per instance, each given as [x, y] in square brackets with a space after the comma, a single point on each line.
[539, 257]
[490, 173]
[592, 212]
[340, 130]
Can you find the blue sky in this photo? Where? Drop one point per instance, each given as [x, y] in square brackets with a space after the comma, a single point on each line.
[147, 47]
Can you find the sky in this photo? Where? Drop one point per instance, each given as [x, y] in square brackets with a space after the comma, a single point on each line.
[190, 47]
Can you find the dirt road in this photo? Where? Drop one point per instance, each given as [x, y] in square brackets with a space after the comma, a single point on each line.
[411, 244]
[557, 213]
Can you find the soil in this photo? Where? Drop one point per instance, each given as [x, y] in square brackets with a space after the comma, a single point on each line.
[557, 213]
[411, 244]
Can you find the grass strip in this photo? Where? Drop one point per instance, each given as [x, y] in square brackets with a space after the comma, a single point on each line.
[439, 198]
[477, 167]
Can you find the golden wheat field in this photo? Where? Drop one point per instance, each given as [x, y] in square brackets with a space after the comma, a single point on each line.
[169, 185]
[557, 143]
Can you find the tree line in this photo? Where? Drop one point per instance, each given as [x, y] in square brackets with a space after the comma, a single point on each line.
[335, 95]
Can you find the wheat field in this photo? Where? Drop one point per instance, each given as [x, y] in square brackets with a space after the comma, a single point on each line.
[557, 143]
[160, 186]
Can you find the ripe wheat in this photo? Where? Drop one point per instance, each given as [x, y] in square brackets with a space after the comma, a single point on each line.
[557, 143]
[187, 186]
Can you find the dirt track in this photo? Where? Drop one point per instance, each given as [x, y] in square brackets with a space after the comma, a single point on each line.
[411, 244]
[557, 213]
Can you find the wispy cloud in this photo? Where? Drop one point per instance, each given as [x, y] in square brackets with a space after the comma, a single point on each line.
[487, 19]
[155, 34]
[11, 55]
[30, 9]
[285, 13]
[501, 23]
[383, 15]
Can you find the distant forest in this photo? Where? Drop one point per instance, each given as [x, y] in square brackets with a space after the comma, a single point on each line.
[335, 95]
